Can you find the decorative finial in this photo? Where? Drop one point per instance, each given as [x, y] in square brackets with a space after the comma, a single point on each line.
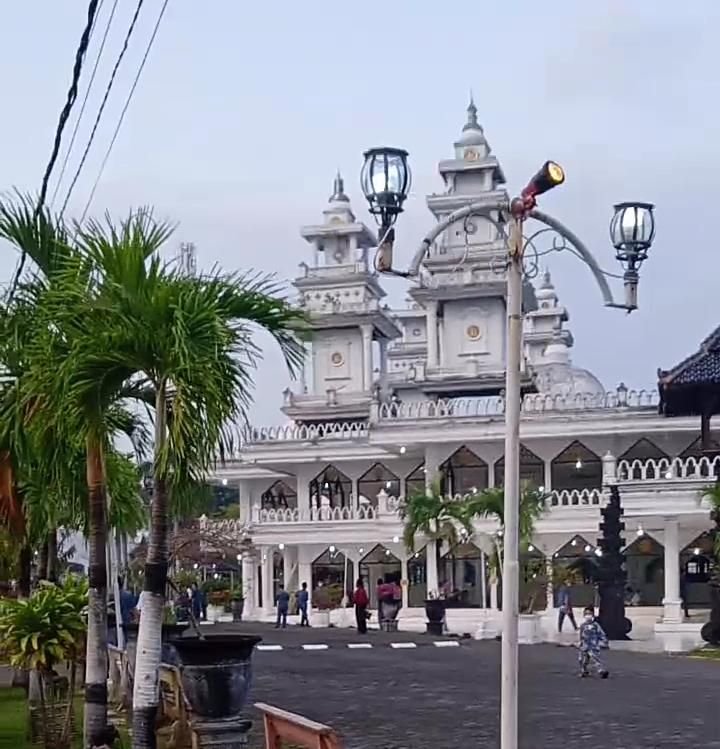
[339, 190]
[546, 280]
[472, 120]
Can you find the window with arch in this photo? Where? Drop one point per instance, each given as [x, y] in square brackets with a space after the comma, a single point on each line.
[279, 496]
[463, 472]
[644, 449]
[331, 488]
[695, 448]
[415, 481]
[532, 469]
[576, 467]
[376, 479]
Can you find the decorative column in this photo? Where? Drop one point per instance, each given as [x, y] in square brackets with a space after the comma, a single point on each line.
[289, 570]
[548, 476]
[431, 567]
[432, 333]
[672, 605]
[609, 469]
[267, 580]
[404, 581]
[249, 567]
[483, 578]
[550, 587]
[305, 572]
[367, 356]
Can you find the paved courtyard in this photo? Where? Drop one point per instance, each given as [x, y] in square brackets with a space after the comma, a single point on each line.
[448, 697]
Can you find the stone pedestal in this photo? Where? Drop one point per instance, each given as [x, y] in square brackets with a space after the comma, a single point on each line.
[225, 733]
[530, 629]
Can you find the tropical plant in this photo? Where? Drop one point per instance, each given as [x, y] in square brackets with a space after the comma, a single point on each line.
[184, 345]
[490, 503]
[37, 634]
[711, 494]
[437, 517]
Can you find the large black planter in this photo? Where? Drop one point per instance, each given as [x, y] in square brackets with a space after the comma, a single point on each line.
[435, 612]
[170, 633]
[216, 678]
[236, 607]
[711, 631]
[389, 611]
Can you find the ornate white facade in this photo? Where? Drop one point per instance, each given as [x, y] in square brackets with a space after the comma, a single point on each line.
[390, 399]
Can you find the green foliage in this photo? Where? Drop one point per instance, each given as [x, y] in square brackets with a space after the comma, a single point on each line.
[45, 629]
[433, 515]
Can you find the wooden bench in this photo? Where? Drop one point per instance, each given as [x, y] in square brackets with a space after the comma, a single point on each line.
[283, 726]
[173, 721]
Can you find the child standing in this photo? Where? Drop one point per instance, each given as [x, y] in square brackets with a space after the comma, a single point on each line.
[592, 639]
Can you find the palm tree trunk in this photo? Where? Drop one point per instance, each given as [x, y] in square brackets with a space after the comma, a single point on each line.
[42, 561]
[52, 556]
[95, 723]
[149, 644]
[24, 569]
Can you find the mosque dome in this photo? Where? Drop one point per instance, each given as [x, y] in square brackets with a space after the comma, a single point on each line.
[555, 374]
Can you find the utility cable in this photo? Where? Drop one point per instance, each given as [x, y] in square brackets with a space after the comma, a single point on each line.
[85, 100]
[119, 60]
[125, 108]
[62, 121]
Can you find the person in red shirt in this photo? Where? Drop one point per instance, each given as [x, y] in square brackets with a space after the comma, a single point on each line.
[360, 599]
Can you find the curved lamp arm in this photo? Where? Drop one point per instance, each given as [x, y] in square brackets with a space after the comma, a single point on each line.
[481, 208]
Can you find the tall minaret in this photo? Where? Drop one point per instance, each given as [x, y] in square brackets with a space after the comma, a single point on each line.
[350, 327]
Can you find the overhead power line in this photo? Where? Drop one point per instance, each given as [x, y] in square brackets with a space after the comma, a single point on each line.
[62, 121]
[104, 101]
[85, 100]
[124, 110]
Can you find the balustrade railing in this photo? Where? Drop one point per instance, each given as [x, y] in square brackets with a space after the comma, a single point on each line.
[575, 498]
[531, 404]
[303, 433]
[318, 514]
[669, 469]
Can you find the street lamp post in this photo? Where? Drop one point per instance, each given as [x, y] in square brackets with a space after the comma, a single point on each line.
[632, 230]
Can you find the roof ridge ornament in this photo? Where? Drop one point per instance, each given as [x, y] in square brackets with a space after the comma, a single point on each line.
[338, 194]
[472, 120]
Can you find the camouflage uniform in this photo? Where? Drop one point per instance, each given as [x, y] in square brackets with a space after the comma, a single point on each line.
[592, 639]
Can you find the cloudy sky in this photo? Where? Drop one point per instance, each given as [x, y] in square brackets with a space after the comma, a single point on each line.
[245, 110]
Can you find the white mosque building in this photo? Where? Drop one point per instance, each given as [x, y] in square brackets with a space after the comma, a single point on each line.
[392, 398]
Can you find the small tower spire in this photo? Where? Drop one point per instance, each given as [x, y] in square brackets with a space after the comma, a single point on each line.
[338, 194]
[472, 120]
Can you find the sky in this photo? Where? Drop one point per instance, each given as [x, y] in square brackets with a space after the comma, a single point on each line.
[245, 111]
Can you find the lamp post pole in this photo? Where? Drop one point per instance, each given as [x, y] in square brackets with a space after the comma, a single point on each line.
[511, 550]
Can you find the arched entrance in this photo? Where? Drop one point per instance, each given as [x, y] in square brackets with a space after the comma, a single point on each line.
[695, 569]
[461, 575]
[372, 482]
[379, 564]
[576, 467]
[645, 564]
[417, 579]
[331, 488]
[575, 567]
[463, 472]
[332, 577]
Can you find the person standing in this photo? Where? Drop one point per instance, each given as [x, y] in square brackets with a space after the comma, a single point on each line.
[302, 597]
[282, 600]
[127, 604]
[196, 601]
[592, 639]
[684, 593]
[361, 600]
[566, 609]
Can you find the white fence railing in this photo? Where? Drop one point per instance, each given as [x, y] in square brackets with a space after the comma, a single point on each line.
[576, 498]
[669, 469]
[531, 404]
[303, 433]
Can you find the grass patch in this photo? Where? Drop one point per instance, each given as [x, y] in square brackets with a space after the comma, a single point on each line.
[708, 653]
[13, 721]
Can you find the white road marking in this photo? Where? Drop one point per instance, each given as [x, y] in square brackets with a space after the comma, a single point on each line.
[315, 647]
[359, 645]
[403, 645]
[269, 647]
[446, 644]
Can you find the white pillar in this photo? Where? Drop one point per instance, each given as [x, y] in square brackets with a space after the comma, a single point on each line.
[367, 356]
[550, 588]
[432, 333]
[548, 476]
[483, 578]
[404, 581]
[267, 580]
[305, 571]
[249, 566]
[494, 595]
[431, 569]
[289, 569]
[672, 605]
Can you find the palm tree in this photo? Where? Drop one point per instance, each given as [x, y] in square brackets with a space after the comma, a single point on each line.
[186, 343]
[434, 515]
[490, 503]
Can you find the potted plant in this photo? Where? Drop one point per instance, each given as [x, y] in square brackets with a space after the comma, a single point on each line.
[216, 676]
[217, 591]
[711, 630]
[237, 603]
[438, 518]
[37, 634]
